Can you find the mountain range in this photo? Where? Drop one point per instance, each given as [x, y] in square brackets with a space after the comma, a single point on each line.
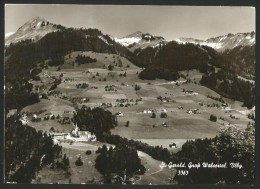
[140, 40]
[221, 59]
[222, 43]
[38, 27]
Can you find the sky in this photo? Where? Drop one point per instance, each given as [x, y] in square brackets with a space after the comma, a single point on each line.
[170, 22]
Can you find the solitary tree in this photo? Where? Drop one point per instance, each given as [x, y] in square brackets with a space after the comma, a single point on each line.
[137, 87]
[153, 115]
[213, 118]
[110, 67]
[79, 162]
[163, 115]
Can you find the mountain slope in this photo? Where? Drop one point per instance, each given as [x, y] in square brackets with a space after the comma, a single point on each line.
[140, 40]
[222, 43]
[38, 49]
[9, 34]
[219, 70]
[34, 29]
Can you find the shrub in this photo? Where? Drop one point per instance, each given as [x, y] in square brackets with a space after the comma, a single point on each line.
[79, 162]
[163, 115]
[36, 78]
[88, 152]
[153, 115]
[44, 96]
[54, 86]
[52, 129]
[137, 87]
[110, 67]
[213, 118]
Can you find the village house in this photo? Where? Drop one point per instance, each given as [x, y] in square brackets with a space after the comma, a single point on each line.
[164, 110]
[119, 114]
[164, 124]
[194, 111]
[180, 107]
[190, 92]
[227, 108]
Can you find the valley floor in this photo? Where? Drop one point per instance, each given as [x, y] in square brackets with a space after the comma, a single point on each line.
[137, 109]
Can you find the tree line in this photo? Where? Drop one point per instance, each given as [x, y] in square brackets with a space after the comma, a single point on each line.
[81, 59]
[230, 86]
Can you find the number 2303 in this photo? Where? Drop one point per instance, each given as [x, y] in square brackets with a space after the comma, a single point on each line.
[182, 172]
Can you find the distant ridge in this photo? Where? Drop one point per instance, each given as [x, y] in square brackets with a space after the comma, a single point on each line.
[140, 40]
[221, 43]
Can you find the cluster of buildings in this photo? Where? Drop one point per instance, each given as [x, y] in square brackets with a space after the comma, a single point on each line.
[194, 111]
[81, 136]
[75, 135]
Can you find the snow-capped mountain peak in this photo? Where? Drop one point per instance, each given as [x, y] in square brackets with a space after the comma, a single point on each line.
[34, 23]
[9, 34]
[34, 29]
[135, 34]
[141, 40]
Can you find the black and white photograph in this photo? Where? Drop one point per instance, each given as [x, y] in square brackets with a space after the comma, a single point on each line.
[129, 94]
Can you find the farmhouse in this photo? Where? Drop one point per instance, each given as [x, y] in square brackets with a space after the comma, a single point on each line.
[67, 112]
[173, 145]
[190, 92]
[119, 114]
[164, 124]
[180, 107]
[224, 105]
[147, 111]
[164, 110]
[227, 108]
[194, 111]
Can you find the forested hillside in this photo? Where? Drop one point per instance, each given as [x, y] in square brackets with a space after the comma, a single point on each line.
[26, 150]
[220, 69]
[50, 50]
